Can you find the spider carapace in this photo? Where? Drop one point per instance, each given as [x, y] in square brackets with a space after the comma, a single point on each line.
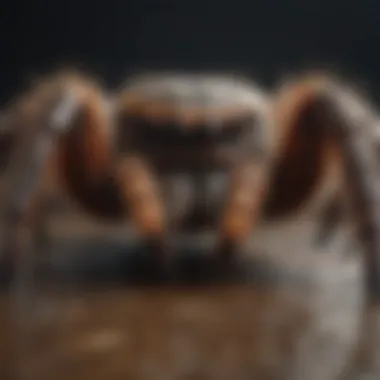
[180, 151]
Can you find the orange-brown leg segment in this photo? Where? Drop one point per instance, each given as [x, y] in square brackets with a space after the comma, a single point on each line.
[244, 205]
[345, 120]
[142, 194]
[248, 187]
[86, 167]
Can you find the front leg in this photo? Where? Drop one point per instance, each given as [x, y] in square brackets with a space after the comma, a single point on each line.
[243, 207]
[24, 199]
[248, 185]
[349, 123]
[146, 206]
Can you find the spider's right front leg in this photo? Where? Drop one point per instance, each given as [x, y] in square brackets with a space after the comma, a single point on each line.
[248, 189]
[146, 207]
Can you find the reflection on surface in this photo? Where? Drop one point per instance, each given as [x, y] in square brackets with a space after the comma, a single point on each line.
[303, 329]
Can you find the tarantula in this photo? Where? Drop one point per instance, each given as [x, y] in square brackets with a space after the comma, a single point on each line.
[188, 151]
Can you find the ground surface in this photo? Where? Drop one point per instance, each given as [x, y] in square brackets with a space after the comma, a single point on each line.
[298, 315]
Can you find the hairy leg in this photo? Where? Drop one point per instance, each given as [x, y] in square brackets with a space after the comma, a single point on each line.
[145, 204]
[348, 122]
[353, 121]
[23, 214]
[247, 190]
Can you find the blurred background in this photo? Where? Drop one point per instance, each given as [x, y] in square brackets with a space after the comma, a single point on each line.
[299, 316]
[267, 38]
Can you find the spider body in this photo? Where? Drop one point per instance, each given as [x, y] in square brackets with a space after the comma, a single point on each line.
[165, 165]
[192, 130]
[191, 151]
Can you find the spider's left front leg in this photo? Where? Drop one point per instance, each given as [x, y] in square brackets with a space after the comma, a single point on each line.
[248, 186]
[347, 122]
[36, 133]
[352, 124]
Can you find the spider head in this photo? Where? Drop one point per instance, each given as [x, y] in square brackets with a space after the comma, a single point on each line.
[189, 121]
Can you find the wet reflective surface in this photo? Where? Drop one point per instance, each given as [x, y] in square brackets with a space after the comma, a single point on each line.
[295, 313]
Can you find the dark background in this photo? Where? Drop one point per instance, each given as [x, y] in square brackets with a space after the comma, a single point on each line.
[266, 38]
